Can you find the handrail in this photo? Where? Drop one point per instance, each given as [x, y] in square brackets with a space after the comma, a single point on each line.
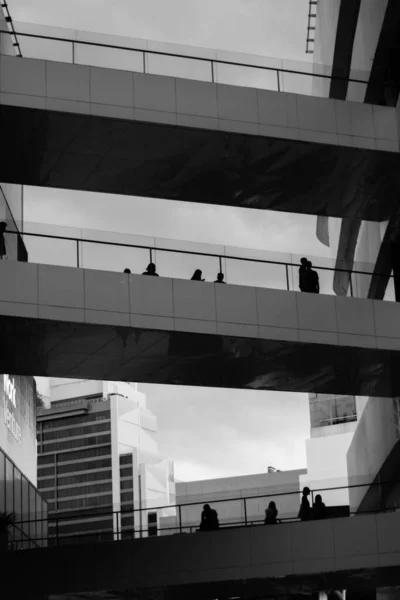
[211, 61]
[180, 527]
[194, 253]
[272, 494]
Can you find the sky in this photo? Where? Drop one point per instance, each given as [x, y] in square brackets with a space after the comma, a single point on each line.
[208, 433]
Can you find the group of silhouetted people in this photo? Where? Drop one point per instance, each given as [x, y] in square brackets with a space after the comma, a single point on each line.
[209, 516]
[197, 275]
[308, 278]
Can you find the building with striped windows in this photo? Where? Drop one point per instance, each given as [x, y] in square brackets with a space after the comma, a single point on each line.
[98, 462]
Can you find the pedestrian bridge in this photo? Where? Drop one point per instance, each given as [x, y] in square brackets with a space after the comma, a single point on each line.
[82, 323]
[362, 552]
[83, 127]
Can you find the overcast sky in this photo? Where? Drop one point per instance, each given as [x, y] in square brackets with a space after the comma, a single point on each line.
[207, 432]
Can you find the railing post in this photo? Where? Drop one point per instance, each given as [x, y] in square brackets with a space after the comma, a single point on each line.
[220, 264]
[245, 511]
[279, 83]
[287, 277]
[144, 62]
[56, 531]
[212, 72]
[77, 254]
[351, 284]
[73, 53]
[151, 255]
[180, 518]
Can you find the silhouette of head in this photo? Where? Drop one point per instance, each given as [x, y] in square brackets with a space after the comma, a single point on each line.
[197, 275]
[304, 261]
[3, 226]
[127, 271]
[318, 499]
[151, 268]
[206, 507]
[309, 264]
[220, 277]
[306, 491]
[272, 505]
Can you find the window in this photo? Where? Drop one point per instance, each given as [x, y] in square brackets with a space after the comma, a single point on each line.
[83, 502]
[328, 410]
[85, 477]
[9, 486]
[127, 484]
[84, 490]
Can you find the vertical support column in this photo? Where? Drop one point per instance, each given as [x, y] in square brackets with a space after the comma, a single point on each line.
[395, 255]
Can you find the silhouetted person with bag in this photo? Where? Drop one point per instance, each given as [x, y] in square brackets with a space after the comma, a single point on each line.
[305, 510]
[271, 514]
[3, 250]
[220, 278]
[319, 508]
[209, 519]
[303, 281]
[197, 275]
[151, 270]
[312, 278]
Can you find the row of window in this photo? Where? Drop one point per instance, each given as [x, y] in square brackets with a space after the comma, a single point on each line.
[76, 455]
[75, 467]
[50, 482]
[69, 432]
[82, 442]
[64, 422]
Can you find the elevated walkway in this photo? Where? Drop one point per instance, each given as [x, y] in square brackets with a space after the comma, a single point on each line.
[357, 553]
[107, 130]
[68, 322]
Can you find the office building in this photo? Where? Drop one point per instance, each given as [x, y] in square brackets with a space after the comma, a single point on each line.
[18, 461]
[99, 461]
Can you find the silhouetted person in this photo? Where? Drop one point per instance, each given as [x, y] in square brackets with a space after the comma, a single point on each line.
[209, 519]
[270, 514]
[319, 508]
[220, 278]
[303, 275]
[127, 271]
[305, 510]
[312, 279]
[151, 270]
[197, 275]
[3, 250]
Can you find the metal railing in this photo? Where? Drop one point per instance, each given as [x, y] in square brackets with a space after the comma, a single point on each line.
[283, 274]
[285, 80]
[63, 528]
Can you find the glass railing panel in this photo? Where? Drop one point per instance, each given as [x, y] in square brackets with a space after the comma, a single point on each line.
[104, 257]
[296, 83]
[246, 76]
[265, 275]
[51, 251]
[389, 293]
[117, 238]
[183, 266]
[287, 506]
[40, 48]
[174, 66]
[356, 92]
[110, 58]
[230, 513]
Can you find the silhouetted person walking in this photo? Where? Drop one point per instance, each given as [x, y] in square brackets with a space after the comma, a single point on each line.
[3, 250]
[270, 514]
[305, 511]
[197, 275]
[319, 508]
[127, 271]
[209, 519]
[312, 278]
[303, 275]
[151, 270]
[220, 278]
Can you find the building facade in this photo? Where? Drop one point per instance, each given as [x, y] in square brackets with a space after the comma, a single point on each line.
[99, 462]
[18, 461]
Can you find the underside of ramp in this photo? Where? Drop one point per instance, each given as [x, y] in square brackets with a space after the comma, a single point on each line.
[79, 350]
[98, 154]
